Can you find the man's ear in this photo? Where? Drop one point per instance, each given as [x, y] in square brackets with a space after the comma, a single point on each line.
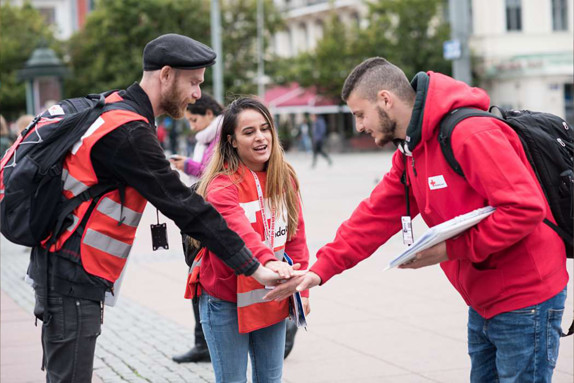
[385, 99]
[165, 73]
[209, 113]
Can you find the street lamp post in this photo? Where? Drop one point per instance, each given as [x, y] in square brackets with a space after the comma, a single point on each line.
[43, 73]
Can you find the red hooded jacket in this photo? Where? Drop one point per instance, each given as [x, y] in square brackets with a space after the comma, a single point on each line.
[508, 261]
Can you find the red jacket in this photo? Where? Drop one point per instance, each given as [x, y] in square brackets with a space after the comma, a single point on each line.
[508, 261]
[216, 278]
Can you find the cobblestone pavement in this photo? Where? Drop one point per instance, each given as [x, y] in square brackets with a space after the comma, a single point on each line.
[136, 343]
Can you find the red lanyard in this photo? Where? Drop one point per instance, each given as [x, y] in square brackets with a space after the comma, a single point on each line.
[269, 231]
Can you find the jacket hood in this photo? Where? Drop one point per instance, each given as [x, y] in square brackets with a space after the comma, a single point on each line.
[437, 95]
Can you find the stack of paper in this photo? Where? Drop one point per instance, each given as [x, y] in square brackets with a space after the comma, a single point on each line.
[442, 232]
[296, 311]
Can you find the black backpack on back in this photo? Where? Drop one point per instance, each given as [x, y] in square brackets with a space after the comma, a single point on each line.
[32, 206]
[548, 142]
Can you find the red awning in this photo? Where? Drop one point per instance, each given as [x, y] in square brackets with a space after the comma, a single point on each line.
[294, 98]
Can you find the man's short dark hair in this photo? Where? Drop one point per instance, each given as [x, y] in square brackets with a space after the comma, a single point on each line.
[205, 103]
[376, 74]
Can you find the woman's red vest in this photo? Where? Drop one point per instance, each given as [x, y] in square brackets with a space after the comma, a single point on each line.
[253, 313]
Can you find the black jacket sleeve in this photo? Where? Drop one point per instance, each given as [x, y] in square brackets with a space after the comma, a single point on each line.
[131, 154]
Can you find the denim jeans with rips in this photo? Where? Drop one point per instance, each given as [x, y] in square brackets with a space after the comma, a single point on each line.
[516, 346]
[229, 349]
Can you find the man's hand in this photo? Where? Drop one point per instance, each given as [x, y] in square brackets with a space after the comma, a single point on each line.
[297, 283]
[284, 270]
[428, 257]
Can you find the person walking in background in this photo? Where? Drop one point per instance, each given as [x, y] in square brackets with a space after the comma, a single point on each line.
[510, 268]
[304, 139]
[319, 135]
[250, 183]
[72, 277]
[204, 118]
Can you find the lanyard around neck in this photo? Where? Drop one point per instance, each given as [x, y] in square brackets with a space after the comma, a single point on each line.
[269, 230]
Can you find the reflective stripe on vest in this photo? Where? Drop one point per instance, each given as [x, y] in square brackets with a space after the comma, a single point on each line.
[251, 297]
[113, 210]
[72, 185]
[106, 244]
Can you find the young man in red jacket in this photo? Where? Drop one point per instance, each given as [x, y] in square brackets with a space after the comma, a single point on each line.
[510, 268]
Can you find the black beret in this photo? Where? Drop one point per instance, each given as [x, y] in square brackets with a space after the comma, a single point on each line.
[177, 51]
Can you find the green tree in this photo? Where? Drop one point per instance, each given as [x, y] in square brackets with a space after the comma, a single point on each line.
[409, 33]
[239, 43]
[22, 29]
[107, 53]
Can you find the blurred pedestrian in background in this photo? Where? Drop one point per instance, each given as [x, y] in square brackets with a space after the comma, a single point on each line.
[319, 136]
[304, 138]
[205, 120]
[250, 183]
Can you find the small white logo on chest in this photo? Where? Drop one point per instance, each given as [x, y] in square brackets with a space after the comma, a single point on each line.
[437, 182]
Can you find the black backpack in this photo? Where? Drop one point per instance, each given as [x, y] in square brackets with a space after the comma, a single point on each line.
[32, 206]
[548, 142]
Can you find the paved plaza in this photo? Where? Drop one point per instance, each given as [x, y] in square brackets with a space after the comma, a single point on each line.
[367, 325]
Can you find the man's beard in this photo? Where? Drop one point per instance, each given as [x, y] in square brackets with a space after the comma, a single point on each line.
[170, 102]
[388, 127]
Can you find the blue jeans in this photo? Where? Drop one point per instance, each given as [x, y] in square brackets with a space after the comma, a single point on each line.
[229, 349]
[517, 346]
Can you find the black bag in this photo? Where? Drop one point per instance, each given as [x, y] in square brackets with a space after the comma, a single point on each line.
[32, 206]
[548, 142]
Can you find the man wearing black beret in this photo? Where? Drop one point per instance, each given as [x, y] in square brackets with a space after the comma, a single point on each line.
[122, 149]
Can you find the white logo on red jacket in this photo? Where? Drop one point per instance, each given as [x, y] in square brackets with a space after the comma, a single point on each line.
[437, 182]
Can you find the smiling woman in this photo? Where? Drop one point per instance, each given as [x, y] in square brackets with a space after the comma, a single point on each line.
[249, 182]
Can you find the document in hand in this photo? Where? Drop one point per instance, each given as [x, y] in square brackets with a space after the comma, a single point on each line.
[442, 232]
[296, 311]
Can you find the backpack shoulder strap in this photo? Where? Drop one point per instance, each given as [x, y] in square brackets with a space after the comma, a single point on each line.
[447, 125]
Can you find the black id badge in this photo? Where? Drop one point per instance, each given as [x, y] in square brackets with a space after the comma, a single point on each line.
[159, 235]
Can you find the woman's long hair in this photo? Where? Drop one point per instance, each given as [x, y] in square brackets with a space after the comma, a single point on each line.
[282, 186]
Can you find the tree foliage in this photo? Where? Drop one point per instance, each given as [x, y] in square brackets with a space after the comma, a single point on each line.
[22, 29]
[409, 33]
[107, 53]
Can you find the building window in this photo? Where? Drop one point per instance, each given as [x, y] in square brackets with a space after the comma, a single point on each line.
[49, 14]
[559, 15]
[513, 15]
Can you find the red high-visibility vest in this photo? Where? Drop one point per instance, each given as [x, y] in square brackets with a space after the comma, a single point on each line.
[110, 229]
[252, 311]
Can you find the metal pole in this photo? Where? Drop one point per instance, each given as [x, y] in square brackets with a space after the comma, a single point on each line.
[459, 13]
[260, 69]
[216, 44]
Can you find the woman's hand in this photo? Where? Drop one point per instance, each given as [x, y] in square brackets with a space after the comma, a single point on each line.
[178, 162]
[306, 305]
[284, 270]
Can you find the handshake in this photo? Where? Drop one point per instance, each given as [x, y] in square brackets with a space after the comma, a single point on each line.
[286, 279]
